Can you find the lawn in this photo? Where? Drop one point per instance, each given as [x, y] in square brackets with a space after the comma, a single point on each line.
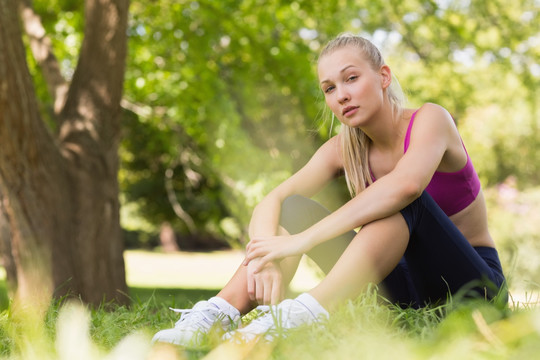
[365, 328]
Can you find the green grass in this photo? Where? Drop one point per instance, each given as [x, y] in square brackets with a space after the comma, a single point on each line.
[364, 328]
[97, 332]
[4, 299]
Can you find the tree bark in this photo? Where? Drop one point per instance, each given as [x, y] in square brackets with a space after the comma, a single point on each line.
[60, 194]
[41, 47]
[6, 253]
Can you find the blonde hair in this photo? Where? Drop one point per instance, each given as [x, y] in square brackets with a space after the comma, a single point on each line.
[354, 142]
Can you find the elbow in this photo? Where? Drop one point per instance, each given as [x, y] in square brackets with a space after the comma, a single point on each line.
[411, 190]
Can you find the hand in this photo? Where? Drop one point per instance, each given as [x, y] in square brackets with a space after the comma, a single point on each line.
[274, 248]
[266, 286]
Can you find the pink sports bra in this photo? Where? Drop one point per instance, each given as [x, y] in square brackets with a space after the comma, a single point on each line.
[452, 191]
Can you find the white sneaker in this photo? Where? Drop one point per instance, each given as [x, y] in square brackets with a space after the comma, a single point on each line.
[195, 323]
[276, 321]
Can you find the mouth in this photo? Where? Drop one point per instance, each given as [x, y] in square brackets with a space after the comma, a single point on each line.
[349, 110]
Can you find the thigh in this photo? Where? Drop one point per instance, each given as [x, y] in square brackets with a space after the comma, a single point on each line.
[439, 258]
[399, 288]
[299, 213]
[370, 257]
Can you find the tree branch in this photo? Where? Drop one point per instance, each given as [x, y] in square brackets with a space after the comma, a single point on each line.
[92, 109]
[178, 210]
[41, 47]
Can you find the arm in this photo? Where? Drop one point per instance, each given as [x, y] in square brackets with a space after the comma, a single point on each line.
[265, 281]
[433, 131]
[321, 169]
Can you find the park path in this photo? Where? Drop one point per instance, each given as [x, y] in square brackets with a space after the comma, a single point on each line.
[196, 270]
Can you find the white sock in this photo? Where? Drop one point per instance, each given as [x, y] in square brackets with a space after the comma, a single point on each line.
[312, 305]
[224, 306]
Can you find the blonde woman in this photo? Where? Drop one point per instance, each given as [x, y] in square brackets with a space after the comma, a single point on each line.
[416, 199]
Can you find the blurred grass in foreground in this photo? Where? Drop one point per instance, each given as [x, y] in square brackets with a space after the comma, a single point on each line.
[364, 328]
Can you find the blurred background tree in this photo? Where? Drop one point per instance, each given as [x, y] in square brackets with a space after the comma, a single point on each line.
[60, 210]
[222, 101]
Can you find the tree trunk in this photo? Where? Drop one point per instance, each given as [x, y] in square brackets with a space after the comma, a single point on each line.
[61, 194]
[6, 253]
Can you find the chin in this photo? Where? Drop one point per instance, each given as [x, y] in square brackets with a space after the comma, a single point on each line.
[354, 123]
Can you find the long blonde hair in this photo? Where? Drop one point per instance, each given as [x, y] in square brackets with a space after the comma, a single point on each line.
[354, 142]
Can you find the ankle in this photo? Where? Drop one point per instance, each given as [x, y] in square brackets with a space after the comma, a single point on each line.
[242, 303]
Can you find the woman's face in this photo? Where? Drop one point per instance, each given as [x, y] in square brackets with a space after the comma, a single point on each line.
[353, 90]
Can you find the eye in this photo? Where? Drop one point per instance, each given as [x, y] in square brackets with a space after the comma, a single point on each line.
[328, 89]
[352, 78]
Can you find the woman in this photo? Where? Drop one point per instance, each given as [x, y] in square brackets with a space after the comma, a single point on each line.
[415, 197]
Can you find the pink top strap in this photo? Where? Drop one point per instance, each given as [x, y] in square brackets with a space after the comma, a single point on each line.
[452, 191]
[408, 134]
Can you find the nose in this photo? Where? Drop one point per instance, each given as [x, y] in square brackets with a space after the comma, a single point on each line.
[342, 95]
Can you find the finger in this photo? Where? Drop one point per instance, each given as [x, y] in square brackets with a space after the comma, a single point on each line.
[250, 255]
[276, 294]
[251, 287]
[259, 290]
[262, 263]
[252, 242]
[259, 267]
[268, 293]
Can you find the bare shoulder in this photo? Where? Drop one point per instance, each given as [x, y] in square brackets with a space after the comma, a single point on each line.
[434, 121]
[330, 153]
[435, 124]
[435, 114]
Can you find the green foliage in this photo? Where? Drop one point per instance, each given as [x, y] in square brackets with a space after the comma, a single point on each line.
[240, 91]
[515, 216]
[224, 93]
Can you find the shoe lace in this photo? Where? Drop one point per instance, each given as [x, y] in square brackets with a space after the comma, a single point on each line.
[266, 318]
[276, 318]
[196, 318]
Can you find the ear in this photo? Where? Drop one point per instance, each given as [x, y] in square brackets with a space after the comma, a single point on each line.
[386, 76]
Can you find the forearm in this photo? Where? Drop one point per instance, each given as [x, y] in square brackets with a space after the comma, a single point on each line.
[383, 198]
[265, 217]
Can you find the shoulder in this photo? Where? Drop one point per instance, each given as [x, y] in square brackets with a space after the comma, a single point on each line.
[434, 113]
[434, 128]
[434, 119]
[330, 152]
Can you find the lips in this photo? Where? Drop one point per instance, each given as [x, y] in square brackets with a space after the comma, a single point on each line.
[348, 110]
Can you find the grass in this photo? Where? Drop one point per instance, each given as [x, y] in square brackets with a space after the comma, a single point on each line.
[364, 328]
[73, 331]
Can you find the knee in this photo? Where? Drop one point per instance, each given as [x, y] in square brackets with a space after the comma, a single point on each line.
[298, 213]
[293, 203]
[291, 207]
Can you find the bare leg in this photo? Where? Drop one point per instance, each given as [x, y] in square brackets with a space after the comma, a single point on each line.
[236, 292]
[370, 257]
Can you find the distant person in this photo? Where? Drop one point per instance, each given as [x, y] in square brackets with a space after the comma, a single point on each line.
[416, 200]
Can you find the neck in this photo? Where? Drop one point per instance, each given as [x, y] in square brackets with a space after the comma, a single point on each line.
[384, 130]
